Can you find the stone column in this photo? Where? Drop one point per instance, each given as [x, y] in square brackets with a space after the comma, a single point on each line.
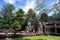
[48, 31]
[55, 28]
[40, 29]
[33, 29]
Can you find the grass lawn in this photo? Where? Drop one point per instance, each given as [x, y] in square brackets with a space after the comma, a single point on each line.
[35, 38]
[39, 38]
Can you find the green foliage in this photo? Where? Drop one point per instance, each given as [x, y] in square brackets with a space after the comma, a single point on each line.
[6, 9]
[20, 15]
[17, 25]
[5, 26]
[56, 16]
[10, 16]
[20, 18]
[7, 23]
[1, 21]
[7, 16]
[31, 15]
[11, 21]
[56, 10]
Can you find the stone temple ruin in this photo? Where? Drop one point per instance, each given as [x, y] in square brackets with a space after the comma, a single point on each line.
[44, 26]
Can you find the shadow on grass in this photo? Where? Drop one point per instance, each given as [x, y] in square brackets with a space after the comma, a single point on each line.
[3, 37]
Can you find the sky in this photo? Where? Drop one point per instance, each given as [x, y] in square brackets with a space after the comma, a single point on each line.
[24, 4]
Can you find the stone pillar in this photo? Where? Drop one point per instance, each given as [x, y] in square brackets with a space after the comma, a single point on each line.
[33, 29]
[48, 31]
[27, 30]
[55, 31]
[55, 28]
[40, 28]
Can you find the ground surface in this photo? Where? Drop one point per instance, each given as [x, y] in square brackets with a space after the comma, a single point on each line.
[36, 38]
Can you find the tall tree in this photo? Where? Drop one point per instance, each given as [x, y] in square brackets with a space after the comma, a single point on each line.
[16, 25]
[10, 19]
[31, 16]
[20, 18]
[6, 9]
[41, 7]
[1, 21]
[56, 8]
[7, 15]
[7, 24]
